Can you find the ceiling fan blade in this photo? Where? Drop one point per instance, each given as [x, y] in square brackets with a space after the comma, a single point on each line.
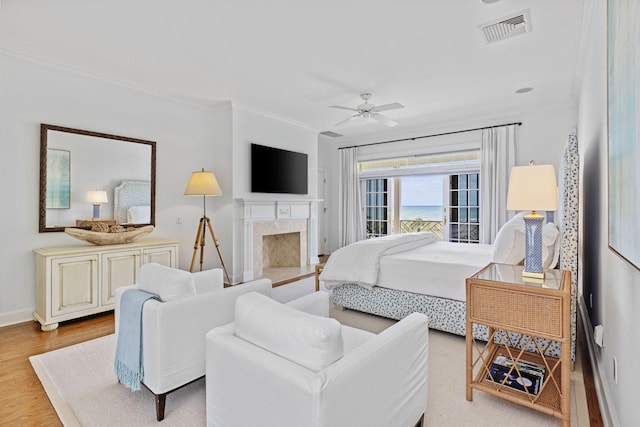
[355, 116]
[343, 108]
[387, 107]
[384, 119]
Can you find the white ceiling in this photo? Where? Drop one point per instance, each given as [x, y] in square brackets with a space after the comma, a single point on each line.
[294, 58]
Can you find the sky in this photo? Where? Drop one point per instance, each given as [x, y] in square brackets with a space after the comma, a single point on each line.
[421, 190]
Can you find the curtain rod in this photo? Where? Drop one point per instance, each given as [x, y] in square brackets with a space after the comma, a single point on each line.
[430, 136]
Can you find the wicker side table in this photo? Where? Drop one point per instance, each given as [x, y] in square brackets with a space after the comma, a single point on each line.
[525, 319]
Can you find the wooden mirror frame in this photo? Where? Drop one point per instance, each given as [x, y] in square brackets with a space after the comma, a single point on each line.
[45, 128]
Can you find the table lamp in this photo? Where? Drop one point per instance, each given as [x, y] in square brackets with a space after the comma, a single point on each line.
[96, 197]
[533, 187]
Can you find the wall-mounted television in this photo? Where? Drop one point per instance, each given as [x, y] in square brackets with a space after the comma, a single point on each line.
[274, 170]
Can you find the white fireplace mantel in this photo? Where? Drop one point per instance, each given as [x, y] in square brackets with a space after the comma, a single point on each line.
[270, 210]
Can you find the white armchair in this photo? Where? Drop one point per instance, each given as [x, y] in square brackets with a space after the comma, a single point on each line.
[173, 332]
[278, 365]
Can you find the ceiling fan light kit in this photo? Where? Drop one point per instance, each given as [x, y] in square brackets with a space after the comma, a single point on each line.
[366, 111]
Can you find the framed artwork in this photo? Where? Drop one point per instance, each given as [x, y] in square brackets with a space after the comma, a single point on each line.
[58, 179]
[624, 128]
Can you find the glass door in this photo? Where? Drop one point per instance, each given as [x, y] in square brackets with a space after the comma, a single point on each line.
[377, 207]
[462, 208]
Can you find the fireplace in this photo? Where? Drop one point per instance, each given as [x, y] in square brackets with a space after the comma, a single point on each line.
[278, 234]
[281, 250]
[279, 243]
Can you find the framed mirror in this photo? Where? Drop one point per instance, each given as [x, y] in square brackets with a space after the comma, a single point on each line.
[90, 176]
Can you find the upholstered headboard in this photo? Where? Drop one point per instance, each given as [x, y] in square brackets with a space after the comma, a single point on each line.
[131, 194]
[568, 186]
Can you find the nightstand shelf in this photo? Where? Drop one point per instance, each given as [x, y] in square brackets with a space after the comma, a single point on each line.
[527, 322]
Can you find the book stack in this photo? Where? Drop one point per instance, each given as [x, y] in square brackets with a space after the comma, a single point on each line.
[529, 380]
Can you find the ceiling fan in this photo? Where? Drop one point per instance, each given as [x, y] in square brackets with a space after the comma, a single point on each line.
[367, 110]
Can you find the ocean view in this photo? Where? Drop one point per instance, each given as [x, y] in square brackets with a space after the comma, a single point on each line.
[427, 213]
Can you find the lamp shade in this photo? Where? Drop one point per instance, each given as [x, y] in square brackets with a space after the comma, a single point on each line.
[96, 197]
[533, 187]
[203, 183]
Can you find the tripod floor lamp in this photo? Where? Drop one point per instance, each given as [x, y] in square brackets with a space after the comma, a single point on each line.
[204, 184]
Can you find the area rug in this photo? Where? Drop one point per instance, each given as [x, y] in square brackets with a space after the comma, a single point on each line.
[80, 383]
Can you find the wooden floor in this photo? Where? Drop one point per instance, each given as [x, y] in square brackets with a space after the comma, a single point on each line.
[23, 401]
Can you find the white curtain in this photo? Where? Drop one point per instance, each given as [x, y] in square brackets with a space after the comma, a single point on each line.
[497, 157]
[351, 224]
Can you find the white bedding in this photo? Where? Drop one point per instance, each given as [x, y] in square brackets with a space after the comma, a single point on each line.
[358, 262]
[438, 269]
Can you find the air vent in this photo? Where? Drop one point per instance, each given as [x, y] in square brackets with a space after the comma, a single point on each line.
[504, 28]
[331, 134]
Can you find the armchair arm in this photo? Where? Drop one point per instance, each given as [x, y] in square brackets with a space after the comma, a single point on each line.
[316, 303]
[388, 373]
[241, 375]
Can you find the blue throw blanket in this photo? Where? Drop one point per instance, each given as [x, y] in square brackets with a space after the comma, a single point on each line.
[128, 364]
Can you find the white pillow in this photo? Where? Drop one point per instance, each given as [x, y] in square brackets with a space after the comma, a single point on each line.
[168, 283]
[139, 215]
[550, 245]
[313, 342]
[508, 246]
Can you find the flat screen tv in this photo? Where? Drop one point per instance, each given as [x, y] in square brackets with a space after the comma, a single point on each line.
[274, 170]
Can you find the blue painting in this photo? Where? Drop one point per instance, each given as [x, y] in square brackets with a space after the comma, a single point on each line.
[624, 128]
[58, 179]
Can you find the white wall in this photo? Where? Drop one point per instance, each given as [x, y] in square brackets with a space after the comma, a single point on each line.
[32, 93]
[541, 137]
[611, 283]
[254, 127]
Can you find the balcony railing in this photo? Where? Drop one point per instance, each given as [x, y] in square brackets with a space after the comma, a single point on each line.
[379, 228]
[416, 225]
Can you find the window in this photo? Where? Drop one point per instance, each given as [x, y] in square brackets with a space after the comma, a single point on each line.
[377, 207]
[437, 193]
[464, 208]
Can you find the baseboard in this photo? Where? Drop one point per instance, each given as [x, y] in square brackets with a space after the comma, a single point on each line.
[13, 317]
[607, 410]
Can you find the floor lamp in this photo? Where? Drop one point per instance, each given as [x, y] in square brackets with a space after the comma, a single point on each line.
[204, 184]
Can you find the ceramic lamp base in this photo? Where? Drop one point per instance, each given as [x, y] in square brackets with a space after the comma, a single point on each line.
[96, 212]
[533, 246]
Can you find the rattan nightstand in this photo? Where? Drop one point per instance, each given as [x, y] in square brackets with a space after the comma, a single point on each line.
[524, 320]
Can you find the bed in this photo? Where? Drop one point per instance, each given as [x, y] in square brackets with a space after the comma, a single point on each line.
[429, 277]
[132, 202]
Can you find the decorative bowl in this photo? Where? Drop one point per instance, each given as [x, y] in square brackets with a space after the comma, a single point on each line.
[98, 238]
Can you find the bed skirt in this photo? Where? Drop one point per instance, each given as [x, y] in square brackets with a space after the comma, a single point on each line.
[444, 314]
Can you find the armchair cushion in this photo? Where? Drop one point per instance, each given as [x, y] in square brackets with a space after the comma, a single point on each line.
[168, 283]
[311, 341]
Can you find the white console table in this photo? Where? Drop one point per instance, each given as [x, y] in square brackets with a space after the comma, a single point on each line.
[76, 281]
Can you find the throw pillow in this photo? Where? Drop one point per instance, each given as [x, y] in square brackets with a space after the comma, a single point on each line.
[311, 341]
[550, 245]
[508, 246]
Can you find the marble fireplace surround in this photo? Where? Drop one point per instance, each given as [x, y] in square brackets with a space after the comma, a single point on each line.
[293, 221]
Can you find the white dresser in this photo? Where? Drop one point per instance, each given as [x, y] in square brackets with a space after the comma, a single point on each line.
[75, 281]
